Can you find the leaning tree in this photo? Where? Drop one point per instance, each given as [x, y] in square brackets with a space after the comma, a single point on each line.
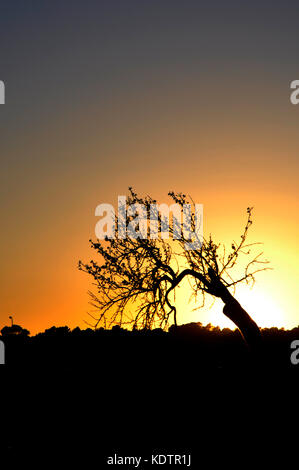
[135, 277]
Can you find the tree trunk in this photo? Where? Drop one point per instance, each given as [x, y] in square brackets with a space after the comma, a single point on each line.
[249, 329]
[233, 310]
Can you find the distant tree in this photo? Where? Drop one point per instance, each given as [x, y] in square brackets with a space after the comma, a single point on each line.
[136, 276]
[14, 330]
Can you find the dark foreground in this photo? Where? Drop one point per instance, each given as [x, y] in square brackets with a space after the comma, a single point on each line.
[70, 397]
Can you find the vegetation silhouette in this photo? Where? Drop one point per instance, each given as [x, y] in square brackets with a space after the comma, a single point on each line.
[102, 392]
[14, 330]
[144, 271]
[143, 349]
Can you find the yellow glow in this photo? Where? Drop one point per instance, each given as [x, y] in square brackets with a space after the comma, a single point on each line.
[260, 306]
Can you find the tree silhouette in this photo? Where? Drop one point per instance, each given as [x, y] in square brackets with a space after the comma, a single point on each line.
[14, 330]
[137, 277]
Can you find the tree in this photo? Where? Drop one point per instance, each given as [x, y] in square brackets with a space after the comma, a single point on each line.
[136, 277]
[14, 330]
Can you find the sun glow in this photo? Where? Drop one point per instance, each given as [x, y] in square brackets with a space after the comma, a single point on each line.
[259, 305]
[263, 308]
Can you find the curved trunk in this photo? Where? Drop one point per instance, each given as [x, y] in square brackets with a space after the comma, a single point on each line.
[249, 329]
[244, 322]
[232, 309]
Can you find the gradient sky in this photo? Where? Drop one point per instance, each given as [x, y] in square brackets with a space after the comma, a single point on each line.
[100, 95]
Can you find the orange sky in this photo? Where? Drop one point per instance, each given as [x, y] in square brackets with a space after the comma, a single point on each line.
[211, 120]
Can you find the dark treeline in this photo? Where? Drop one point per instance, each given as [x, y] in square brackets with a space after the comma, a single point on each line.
[191, 344]
[193, 389]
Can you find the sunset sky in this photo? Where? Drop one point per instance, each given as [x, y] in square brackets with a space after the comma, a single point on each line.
[189, 96]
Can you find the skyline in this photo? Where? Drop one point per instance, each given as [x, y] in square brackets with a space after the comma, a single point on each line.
[189, 98]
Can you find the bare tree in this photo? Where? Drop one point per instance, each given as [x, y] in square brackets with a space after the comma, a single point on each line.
[136, 277]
